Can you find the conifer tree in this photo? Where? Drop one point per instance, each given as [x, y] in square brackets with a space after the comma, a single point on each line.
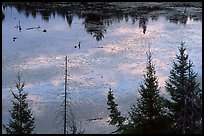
[194, 102]
[185, 104]
[115, 115]
[66, 112]
[22, 120]
[148, 116]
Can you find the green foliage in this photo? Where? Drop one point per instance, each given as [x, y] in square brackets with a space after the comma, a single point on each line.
[148, 116]
[22, 120]
[115, 115]
[185, 104]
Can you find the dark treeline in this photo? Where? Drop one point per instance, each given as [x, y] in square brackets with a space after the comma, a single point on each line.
[154, 114]
[99, 15]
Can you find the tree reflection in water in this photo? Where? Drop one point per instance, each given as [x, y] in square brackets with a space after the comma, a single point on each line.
[94, 25]
[98, 16]
[69, 18]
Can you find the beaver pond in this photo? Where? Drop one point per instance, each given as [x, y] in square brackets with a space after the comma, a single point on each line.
[106, 45]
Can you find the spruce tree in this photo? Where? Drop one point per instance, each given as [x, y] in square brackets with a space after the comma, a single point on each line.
[148, 116]
[194, 102]
[185, 103]
[115, 115]
[22, 120]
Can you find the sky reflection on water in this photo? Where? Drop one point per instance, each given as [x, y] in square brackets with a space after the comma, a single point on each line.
[118, 61]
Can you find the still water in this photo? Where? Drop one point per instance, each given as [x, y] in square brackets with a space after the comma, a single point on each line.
[112, 54]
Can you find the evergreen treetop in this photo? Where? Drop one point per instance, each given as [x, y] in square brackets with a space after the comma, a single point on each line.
[147, 115]
[115, 115]
[22, 120]
[184, 91]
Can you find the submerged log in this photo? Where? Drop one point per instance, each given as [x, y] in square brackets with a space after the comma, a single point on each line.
[32, 28]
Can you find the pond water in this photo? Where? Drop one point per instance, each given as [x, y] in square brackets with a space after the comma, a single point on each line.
[112, 54]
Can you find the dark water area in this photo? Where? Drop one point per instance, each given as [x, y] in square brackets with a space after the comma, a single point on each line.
[106, 45]
[98, 16]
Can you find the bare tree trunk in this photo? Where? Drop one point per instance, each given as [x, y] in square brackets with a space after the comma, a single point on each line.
[70, 124]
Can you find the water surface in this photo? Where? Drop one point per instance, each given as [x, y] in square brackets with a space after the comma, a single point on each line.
[112, 54]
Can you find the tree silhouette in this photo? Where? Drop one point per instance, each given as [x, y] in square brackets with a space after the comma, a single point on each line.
[22, 120]
[185, 104]
[115, 115]
[70, 124]
[148, 116]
